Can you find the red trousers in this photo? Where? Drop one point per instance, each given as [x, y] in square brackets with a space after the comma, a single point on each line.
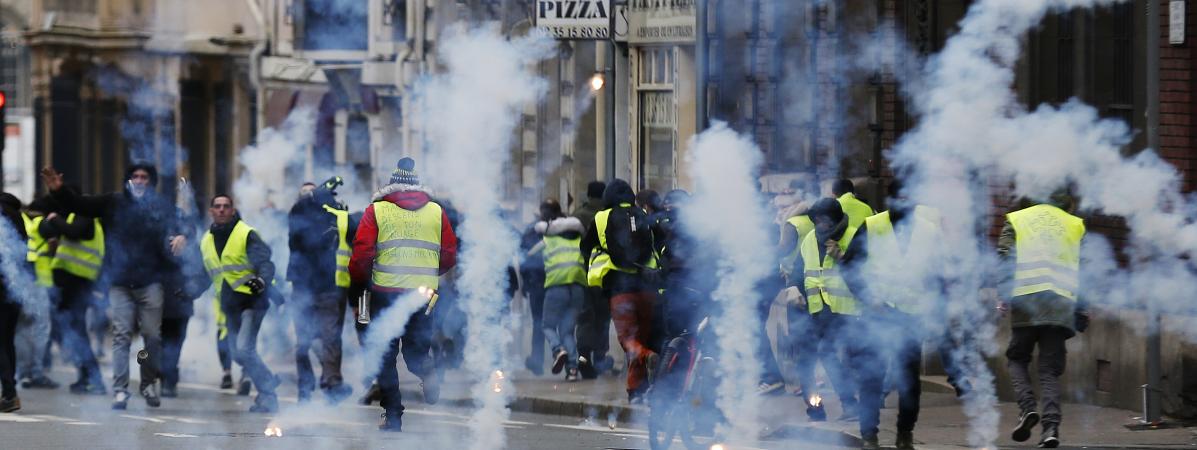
[633, 316]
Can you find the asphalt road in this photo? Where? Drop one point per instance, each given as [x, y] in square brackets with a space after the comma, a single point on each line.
[204, 417]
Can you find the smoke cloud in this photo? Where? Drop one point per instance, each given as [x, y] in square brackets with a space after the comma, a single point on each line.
[727, 211]
[469, 116]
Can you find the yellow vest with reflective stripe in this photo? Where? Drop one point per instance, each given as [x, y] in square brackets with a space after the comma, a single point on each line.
[409, 246]
[600, 260]
[82, 259]
[563, 262]
[895, 273]
[802, 225]
[1048, 250]
[38, 251]
[232, 265]
[824, 283]
[855, 209]
[343, 250]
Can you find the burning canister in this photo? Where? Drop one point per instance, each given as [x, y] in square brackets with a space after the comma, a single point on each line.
[814, 409]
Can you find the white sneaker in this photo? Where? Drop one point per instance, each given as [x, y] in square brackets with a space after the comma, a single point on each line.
[120, 400]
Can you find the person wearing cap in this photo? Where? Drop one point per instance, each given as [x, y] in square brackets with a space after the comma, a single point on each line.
[405, 242]
[831, 305]
[594, 322]
[856, 210]
[319, 231]
[140, 234]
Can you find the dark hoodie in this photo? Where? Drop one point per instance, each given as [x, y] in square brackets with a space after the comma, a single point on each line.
[411, 198]
[137, 231]
[629, 237]
[313, 240]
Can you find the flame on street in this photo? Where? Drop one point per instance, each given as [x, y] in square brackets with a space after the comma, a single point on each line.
[816, 400]
[273, 431]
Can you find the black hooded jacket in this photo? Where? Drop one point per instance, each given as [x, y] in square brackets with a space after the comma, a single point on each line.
[629, 237]
[137, 231]
[313, 240]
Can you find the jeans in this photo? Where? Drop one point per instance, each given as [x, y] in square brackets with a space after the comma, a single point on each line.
[1052, 357]
[771, 372]
[534, 291]
[243, 317]
[894, 342]
[562, 304]
[33, 339]
[129, 308]
[318, 317]
[827, 336]
[9, 314]
[174, 332]
[415, 344]
[72, 321]
[632, 313]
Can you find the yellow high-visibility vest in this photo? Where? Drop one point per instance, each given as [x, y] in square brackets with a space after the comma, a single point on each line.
[824, 283]
[563, 262]
[82, 259]
[409, 246]
[601, 258]
[1047, 243]
[802, 225]
[37, 251]
[343, 250]
[232, 265]
[896, 273]
[855, 209]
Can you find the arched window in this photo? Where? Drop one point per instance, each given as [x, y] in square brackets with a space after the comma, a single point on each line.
[14, 63]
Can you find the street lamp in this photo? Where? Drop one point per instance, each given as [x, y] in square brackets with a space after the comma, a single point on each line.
[597, 82]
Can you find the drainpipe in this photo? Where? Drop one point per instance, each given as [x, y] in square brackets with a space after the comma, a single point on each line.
[1151, 391]
[255, 59]
[700, 57]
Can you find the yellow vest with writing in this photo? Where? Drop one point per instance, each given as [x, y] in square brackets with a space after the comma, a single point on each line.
[409, 246]
[1048, 250]
[824, 283]
[82, 259]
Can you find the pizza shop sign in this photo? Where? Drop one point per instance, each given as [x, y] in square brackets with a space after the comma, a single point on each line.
[574, 19]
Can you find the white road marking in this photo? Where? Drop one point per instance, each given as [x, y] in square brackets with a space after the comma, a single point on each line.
[185, 420]
[18, 419]
[600, 429]
[147, 419]
[176, 435]
[52, 418]
[82, 423]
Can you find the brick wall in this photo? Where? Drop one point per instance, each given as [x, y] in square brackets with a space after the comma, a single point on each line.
[1177, 108]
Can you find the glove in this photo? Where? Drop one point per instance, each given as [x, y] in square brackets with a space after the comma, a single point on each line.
[256, 285]
[332, 183]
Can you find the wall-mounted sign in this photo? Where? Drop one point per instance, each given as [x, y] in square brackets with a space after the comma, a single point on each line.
[653, 22]
[1176, 22]
[575, 19]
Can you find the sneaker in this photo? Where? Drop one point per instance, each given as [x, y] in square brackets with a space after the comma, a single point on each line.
[85, 388]
[572, 375]
[1051, 437]
[1026, 422]
[869, 443]
[586, 369]
[265, 404]
[8, 405]
[432, 389]
[244, 388]
[39, 382]
[905, 440]
[374, 394]
[392, 423]
[559, 358]
[150, 393]
[169, 391]
[120, 400]
[226, 382]
[766, 388]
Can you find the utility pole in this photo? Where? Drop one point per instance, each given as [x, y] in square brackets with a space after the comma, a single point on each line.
[1151, 391]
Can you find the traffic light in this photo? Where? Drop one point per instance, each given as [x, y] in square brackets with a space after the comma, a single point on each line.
[3, 123]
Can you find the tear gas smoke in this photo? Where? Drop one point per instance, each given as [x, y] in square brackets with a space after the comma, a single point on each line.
[727, 211]
[18, 278]
[469, 113]
[970, 122]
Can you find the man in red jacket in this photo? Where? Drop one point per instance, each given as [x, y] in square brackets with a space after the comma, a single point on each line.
[404, 242]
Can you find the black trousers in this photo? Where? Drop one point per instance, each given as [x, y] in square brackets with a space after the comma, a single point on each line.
[174, 332]
[594, 326]
[10, 313]
[827, 338]
[415, 344]
[1052, 358]
[71, 318]
[318, 317]
[893, 341]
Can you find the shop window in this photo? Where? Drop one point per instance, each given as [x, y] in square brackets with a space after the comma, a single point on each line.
[657, 123]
